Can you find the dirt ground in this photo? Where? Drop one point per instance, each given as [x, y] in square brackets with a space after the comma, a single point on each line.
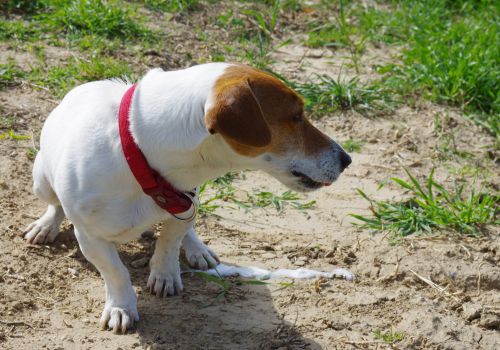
[51, 297]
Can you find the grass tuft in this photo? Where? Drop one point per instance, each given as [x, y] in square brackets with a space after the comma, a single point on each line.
[389, 336]
[173, 6]
[452, 56]
[258, 43]
[351, 145]
[61, 79]
[21, 6]
[431, 206]
[213, 192]
[10, 73]
[327, 95]
[11, 134]
[108, 19]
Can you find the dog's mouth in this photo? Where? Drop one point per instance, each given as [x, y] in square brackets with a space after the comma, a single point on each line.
[306, 181]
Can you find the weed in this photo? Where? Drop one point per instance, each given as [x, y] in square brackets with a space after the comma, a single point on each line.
[11, 134]
[451, 56]
[17, 30]
[292, 5]
[448, 149]
[228, 19]
[7, 122]
[21, 6]
[31, 153]
[259, 45]
[61, 79]
[389, 336]
[264, 199]
[432, 206]
[10, 74]
[285, 284]
[351, 145]
[108, 19]
[328, 95]
[226, 285]
[173, 6]
[326, 35]
[222, 190]
[378, 26]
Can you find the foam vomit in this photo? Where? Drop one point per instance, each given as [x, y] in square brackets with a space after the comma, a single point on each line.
[223, 270]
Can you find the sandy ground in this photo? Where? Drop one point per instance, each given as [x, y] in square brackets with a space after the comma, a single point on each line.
[51, 297]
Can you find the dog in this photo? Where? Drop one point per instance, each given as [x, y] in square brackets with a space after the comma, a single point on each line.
[190, 125]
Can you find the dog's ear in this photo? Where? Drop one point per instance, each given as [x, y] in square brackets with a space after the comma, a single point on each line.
[237, 116]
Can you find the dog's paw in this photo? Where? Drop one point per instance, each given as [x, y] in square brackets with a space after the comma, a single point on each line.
[41, 231]
[165, 283]
[199, 255]
[119, 319]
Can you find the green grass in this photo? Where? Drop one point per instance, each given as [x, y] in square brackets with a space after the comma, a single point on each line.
[452, 56]
[326, 35]
[389, 336]
[10, 74]
[351, 145]
[450, 49]
[60, 79]
[109, 19]
[258, 42]
[215, 193]
[264, 199]
[22, 6]
[226, 285]
[19, 31]
[173, 6]
[7, 122]
[432, 207]
[75, 20]
[11, 134]
[326, 95]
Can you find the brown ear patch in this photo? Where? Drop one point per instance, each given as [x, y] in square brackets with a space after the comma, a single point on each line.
[237, 116]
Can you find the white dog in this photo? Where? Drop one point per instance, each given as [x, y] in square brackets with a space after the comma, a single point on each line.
[191, 125]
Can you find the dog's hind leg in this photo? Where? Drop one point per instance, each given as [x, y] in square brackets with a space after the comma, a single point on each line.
[46, 228]
[197, 253]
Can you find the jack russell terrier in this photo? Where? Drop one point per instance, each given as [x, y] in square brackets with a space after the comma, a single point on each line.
[108, 148]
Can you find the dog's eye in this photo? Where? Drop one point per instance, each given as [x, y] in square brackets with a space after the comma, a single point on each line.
[298, 118]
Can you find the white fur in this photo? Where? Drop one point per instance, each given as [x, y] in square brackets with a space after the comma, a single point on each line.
[82, 173]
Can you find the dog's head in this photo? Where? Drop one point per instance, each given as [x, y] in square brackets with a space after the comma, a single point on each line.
[259, 117]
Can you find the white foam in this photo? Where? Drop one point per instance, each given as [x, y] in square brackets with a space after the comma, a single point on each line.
[224, 270]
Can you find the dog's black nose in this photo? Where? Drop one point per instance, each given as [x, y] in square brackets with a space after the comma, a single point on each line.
[345, 160]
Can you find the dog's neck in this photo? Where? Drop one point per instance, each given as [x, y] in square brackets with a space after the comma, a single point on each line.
[167, 122]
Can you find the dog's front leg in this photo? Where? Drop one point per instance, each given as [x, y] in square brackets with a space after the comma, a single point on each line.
[197, 253]
[165, 276]
[120, 310]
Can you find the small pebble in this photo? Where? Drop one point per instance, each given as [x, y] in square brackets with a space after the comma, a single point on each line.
[72, 272]
[268, 255]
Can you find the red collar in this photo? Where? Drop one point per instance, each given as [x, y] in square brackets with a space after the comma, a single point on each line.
[152, 183]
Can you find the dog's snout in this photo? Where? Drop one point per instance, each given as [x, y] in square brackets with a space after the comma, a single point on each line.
[345, 160]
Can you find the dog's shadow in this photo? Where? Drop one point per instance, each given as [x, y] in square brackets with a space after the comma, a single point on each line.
[206, 315]
[210, 316]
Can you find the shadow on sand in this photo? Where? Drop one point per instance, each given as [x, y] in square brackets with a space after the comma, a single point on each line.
[202, 317]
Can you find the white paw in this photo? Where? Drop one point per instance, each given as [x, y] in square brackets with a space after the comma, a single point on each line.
[119, 319]
[199, 255]
[166, 282]
[41, 231]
